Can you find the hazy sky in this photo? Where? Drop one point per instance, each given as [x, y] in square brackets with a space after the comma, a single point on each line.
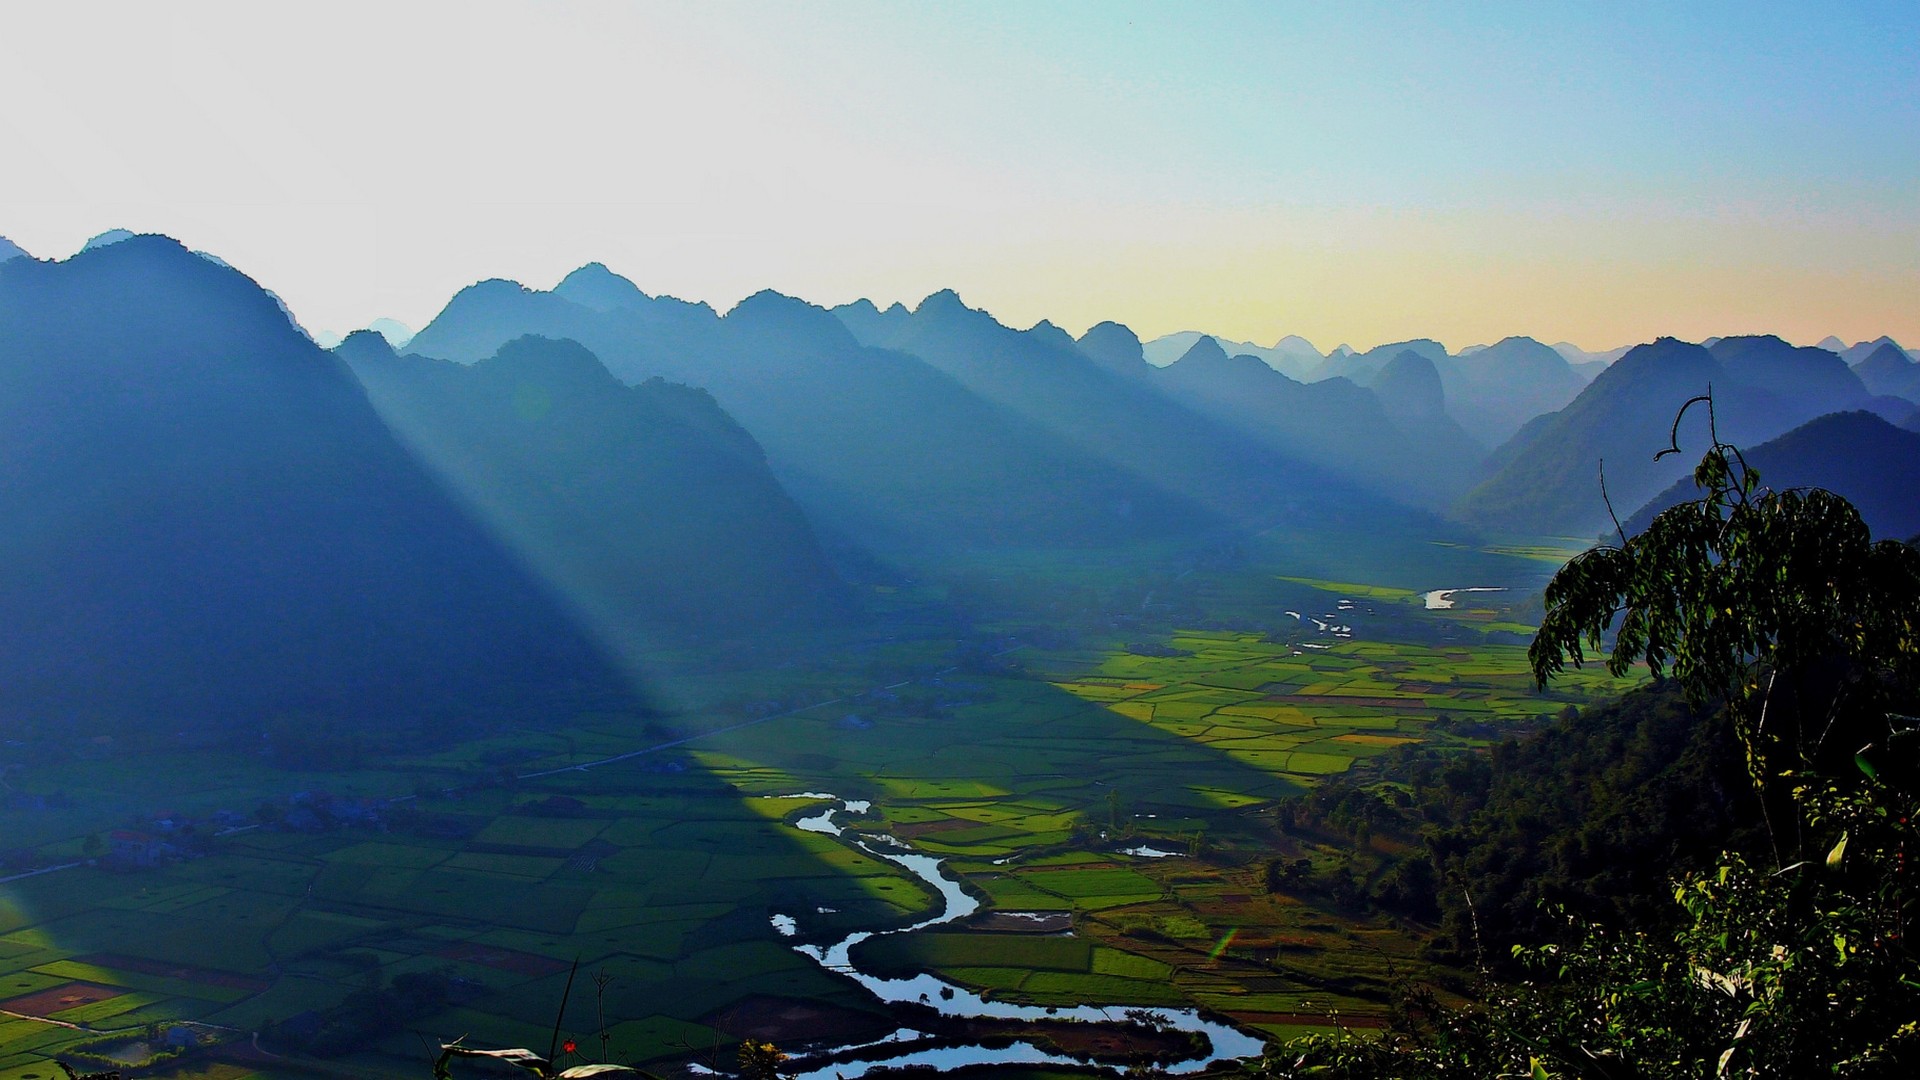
[1600, 172]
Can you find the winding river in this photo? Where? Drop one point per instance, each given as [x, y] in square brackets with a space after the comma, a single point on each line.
[1225, 1042]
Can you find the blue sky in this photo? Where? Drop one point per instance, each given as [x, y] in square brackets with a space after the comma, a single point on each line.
[1350, 172]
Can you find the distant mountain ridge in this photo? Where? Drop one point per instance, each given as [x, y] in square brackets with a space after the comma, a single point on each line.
[1495, 390]
[1418, 457]
[1120, 420]
[1292, 356]
[1889, 370]
[1547, 477]
[1860, 350]
[882, 449]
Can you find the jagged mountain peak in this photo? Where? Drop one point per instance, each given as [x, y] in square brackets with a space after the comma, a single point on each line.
[943, 302]
[1115, 346]
[1206, 350]
[368, 346]
[560, 361]
[1889, 370]
[108, 238]
[771, 311]
[599, 288]
[1047, 332]
[1860, 350]
[491, 288]
[1408, 385]
[396, 332]
[1887, 353]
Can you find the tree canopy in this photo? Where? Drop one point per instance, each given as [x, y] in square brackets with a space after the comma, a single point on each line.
[1778, 602]
[1779, 606]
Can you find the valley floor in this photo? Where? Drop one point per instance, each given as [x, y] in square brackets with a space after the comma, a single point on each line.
[1099, 767]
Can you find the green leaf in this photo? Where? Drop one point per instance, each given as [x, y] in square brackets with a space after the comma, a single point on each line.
[1838, 854]
[1539, 1070]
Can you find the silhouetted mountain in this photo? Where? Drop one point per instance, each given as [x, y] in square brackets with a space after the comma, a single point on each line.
[11, 250]
[1117, 348]
[1816, 380]
[1860, 350]
[1292, 355]
[599, 288]
[396, 333]
[1129, 426]
[1873, 464]
[647, 506]
[1418, 457]
[1889, 370]
[869, 323]
[111, 236]
[1049, 335]
[1590, 364]
[1495, 390]
[1362, 367]
[1545, 478]
[878, 446]
[204, 522]
[1409, 388]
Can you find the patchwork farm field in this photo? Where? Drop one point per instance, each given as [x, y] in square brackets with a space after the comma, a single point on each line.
[1116, 786]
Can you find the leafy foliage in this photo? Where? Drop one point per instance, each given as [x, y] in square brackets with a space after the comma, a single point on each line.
[1779, 601]
[1593, 814]
[1780, 604]
[1747, 987]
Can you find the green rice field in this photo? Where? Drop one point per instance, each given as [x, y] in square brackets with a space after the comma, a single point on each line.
[1117, 779]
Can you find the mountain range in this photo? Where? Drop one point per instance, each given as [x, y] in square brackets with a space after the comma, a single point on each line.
[208, 518]
[1408, 449]
[1292, 356]
[1547, 477]
[907, 432]
[1860, 350]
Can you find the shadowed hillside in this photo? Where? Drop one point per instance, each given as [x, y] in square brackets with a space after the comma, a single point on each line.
[1857, 455]
[204, 521]
[646, 505]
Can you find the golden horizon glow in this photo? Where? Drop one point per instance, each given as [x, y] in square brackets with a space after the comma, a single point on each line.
[1248, 171]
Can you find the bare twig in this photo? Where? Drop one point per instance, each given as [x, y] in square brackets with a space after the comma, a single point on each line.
[554, 1043]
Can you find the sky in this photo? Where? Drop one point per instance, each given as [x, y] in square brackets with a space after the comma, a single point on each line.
[1600, 173]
